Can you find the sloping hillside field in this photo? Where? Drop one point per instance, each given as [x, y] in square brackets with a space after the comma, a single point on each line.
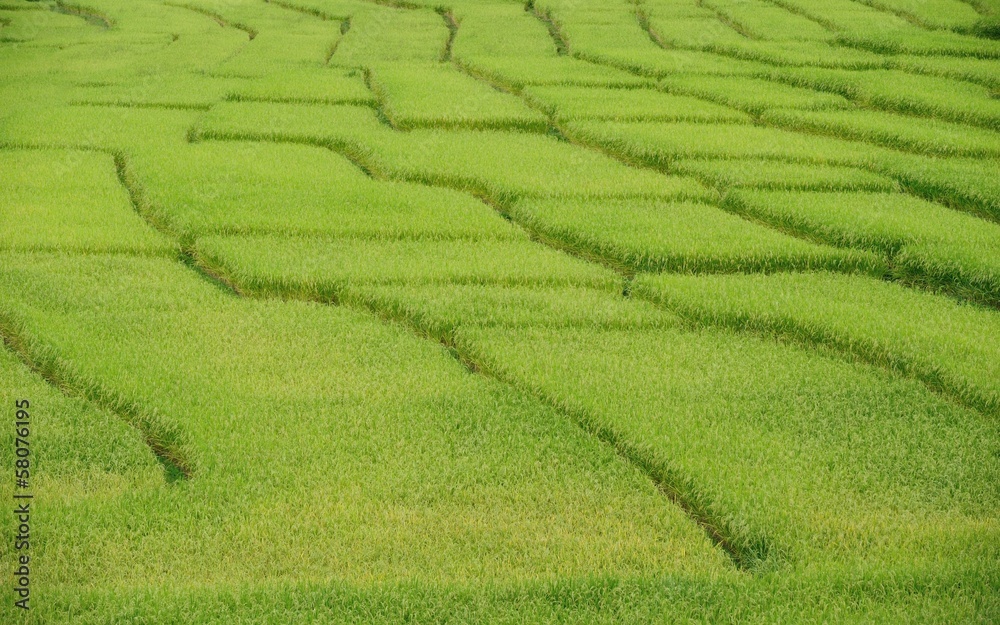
[477, 311]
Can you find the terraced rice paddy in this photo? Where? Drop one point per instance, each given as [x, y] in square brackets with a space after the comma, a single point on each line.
[483, 311]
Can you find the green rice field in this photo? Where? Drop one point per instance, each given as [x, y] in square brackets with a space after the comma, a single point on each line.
[500, 312]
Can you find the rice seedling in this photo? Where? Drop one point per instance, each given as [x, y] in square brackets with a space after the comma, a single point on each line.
[381, 34]
[926, 242]
[516, 73]
[70, 200]
[504, 312]
[901, 132]
[816, 54]
[950, 346]
[753, 95]
[321, 433]
[773, 442]
[763, 20]
[89, 454]
[318, 268]
[508, 165]
[698, 32]
[571, 103]
[967, 184]
[770, 174]
[848, 16]
[281, 121]
[492, 31]
[232, 187]
[442, 310]
[174, 90]
[983, 71]
[499, 165]
[659, 144]
[808, 598]
[893, 90]
[437, 95]
[97, 127]
[307, 86]
[684, 237]
[922, 42]
[657, 62]
[934, 13]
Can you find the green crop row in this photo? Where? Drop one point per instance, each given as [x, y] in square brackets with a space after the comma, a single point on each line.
[438, 95]
[234, 187]
[324, 445]
[381, 34]
[772, 174]
[926, 243]
[659, 144]
[933, 13]
[932, 96]
[649, 235]
[501, 165]
[753, 95]
[891, 130]
[322, 268]
[763, 20]
[967, 184]
[948, 345]
[624, 105]
[89, 454]
[516, 73]
[660, 392]
[70, 200]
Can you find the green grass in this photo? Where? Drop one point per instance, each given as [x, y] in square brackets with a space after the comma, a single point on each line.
[70, 200]
[381, 34]
[684, 237]
[893, 90]
[659, 144]
[530, 358]
[928, 136]
[97, 127]
[763, 20]
[848, 15]
[765, 174]
[439, 96]
[81, 453]
[174, 90]
[701, 31]
[626, 105]
[802, 54]
[949, 346]
[933, 13]
[517, 73]
[557, 311]
[325, 445]
[500, 165]
[922, 42]
[967, 184]
[314, 86]
[656, 62]
[234, 187]
[497, 30]
[751, 94]
[670, 599]
[926, 242]
[442, 310]
[271, 265]
[983, 71]
[774, 442]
